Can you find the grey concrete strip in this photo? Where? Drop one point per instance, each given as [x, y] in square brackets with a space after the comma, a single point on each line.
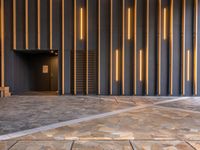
[169, 101]
[179, 109]
[75, 121]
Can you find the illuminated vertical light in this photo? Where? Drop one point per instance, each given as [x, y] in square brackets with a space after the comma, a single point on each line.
[81, 23]
[165, 24]
[117, 64]
[129, 23]
[141, 64]
[188, 65]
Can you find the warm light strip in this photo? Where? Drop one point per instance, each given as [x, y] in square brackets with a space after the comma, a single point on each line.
[2, 47]
[81, 24]
[196, 5]
[51, 36]
[99, 47]
[111, 42]
[188, 65]
[26, 24]
[129, 23]
[171, 46]
[183, 45]
[135, 47]
[141, 65]
[74, 47]
[63, 47]
[87, 45]
[38, 23]
[117, 65]
[123, 44]
[165, 24]
[147, 49]
[159, 44]
[14, 24]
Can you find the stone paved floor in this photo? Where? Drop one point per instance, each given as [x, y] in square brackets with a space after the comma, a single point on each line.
[139, 123]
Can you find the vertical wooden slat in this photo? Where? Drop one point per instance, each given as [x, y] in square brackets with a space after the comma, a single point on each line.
[171, 46]
[99, 46]
[74, 47]
[38, 24]
[26, 25]
[183, 45]
[87, 44]
[2, 47]
[63, 47]
[159, 44]
[135, 47]
[51, 36]
[195, 42]
[147, 47]
[123, 43]
[14, 25]
[111, 42]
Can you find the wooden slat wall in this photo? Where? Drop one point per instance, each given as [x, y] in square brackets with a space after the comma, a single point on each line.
[168, 67]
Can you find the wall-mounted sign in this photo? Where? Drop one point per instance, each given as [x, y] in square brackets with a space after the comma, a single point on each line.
[45, 69]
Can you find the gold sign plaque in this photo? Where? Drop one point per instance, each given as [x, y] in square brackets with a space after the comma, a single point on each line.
[45, 69]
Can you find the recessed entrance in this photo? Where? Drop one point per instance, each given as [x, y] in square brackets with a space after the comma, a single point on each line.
[37, 72]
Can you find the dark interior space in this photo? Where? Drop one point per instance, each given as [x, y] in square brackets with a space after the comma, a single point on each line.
[36, 72]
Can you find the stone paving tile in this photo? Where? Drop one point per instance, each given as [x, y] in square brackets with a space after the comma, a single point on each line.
[19, 113]
[160, 145]
[5, 145]
[102, 145]
[195, 144]
[188, 104]
[42, 145]
[137, 100]
[142, 124]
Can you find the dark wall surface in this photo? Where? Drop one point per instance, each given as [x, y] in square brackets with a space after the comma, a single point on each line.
[15, 67]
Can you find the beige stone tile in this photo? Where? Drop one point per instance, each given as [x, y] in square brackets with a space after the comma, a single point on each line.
[42, 145]
[161, 145]
[102, 145]
[144, 124]
[195, 144]
[5, 145]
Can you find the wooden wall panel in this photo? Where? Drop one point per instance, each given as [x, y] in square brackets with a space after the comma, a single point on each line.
[13, 77]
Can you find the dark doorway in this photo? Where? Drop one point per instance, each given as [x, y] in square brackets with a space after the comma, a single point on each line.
[37, 73]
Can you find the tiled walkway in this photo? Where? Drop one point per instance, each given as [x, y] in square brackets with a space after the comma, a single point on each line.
[100, 123]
